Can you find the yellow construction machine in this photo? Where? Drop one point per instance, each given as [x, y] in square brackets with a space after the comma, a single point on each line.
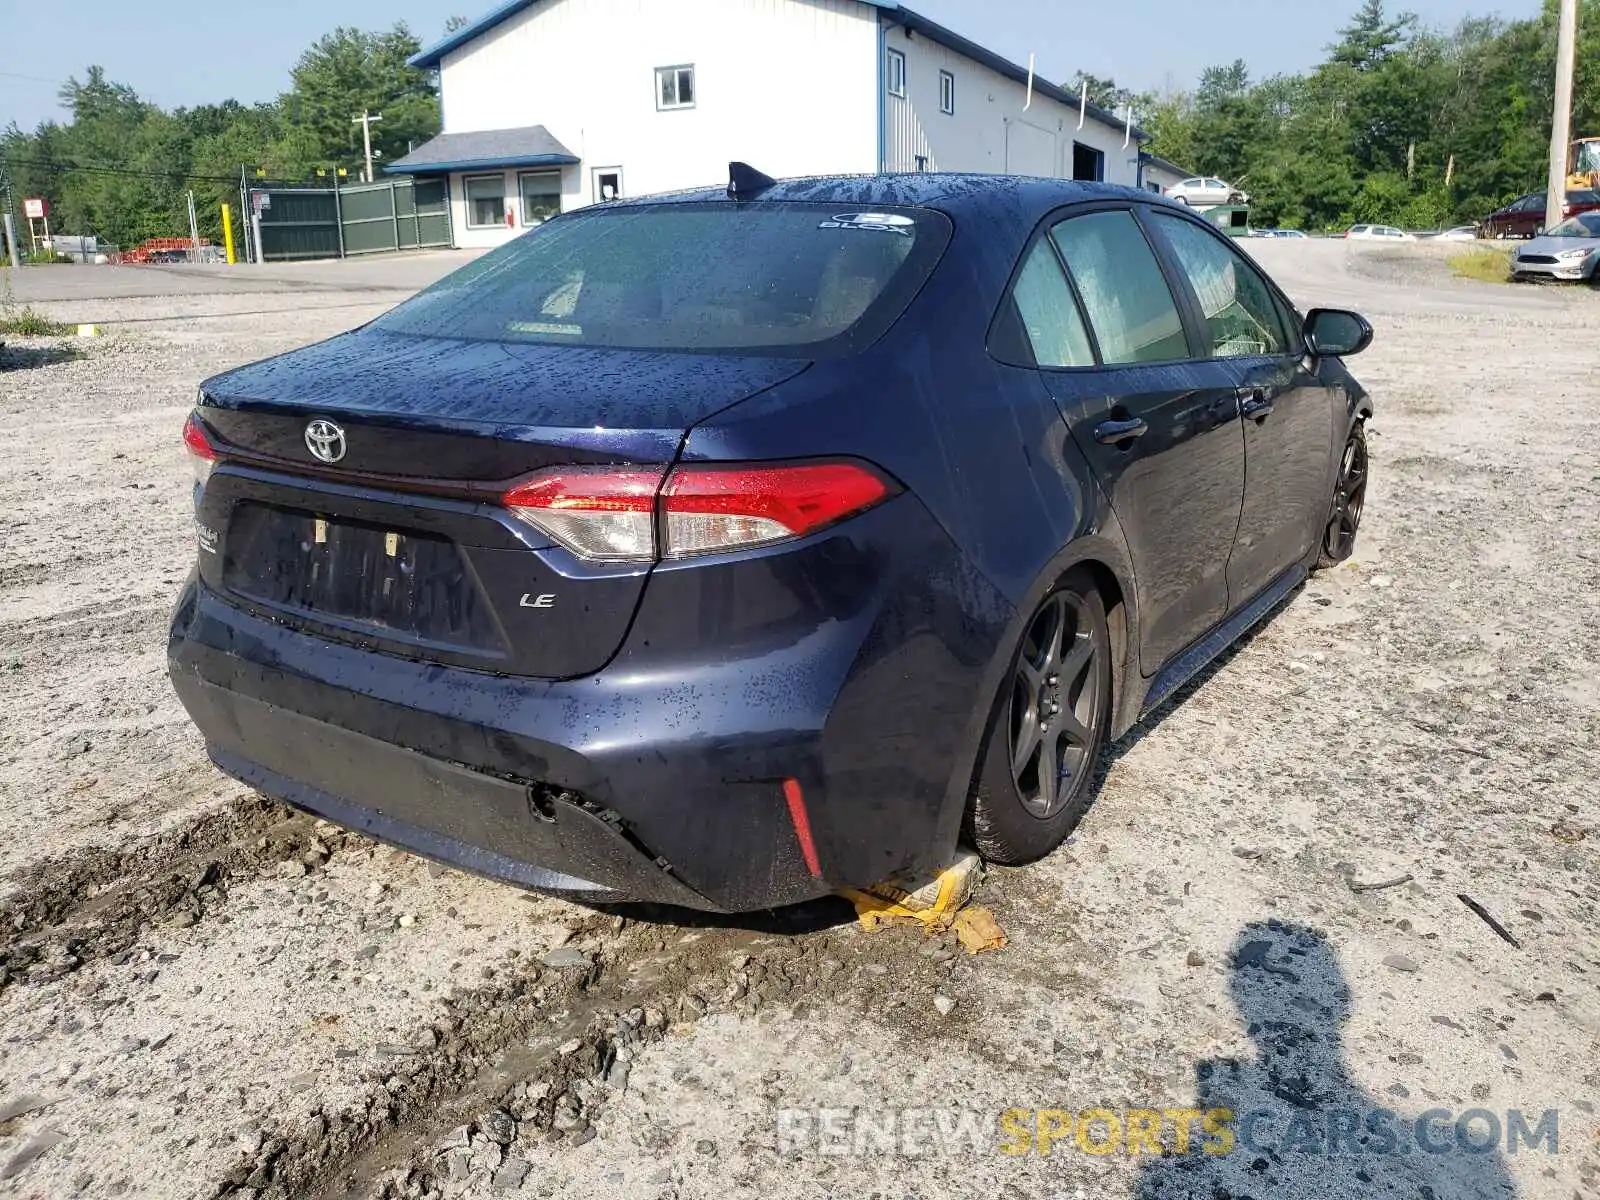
[1583, 164]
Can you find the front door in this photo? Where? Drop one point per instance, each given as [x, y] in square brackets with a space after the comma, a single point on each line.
[1160, 429]
[1288, 415]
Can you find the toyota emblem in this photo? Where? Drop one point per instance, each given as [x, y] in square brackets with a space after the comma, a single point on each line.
[325, 440]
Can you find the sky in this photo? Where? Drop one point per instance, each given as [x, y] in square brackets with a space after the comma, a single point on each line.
[179, 54]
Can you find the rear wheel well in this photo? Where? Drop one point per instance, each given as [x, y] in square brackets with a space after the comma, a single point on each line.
[1105, 582]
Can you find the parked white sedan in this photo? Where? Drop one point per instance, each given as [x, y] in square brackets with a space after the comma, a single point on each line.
[1383, 233]
[1206, 192]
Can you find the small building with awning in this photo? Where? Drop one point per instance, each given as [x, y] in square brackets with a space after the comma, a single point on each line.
[501, 181]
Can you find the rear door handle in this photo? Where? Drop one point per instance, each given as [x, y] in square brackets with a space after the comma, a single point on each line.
[1119, 433]
[1255, 404]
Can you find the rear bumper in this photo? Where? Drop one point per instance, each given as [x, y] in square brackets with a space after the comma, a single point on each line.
[493, 826]
[661, 777]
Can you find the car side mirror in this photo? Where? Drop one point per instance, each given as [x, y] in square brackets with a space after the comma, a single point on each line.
[1336, 332]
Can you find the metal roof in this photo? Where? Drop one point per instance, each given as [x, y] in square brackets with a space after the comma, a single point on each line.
[530, 146]
[893, 14]
[1156, 160]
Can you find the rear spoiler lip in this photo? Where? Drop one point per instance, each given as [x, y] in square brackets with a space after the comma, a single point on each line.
[422, 485]
[479, 491]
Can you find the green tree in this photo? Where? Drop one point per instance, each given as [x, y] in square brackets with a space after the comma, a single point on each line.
[1400, 124]
[350, 71]
[1108, 94]
[1371, 38]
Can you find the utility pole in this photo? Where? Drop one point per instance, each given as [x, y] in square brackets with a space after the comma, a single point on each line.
[366, 120]
[194, 231]
[10, 228]
[1561, 126]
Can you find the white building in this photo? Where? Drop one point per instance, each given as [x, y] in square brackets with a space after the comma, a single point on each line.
[553, 104]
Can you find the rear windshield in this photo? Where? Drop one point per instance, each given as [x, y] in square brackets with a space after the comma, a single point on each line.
[796, 280]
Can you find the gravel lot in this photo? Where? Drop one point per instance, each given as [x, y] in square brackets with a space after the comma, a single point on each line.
[204, 993]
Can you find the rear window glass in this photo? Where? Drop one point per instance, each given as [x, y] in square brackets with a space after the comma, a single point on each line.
[781, 279]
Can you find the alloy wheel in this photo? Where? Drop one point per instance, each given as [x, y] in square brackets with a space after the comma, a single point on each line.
[1055, 705]
[1349, 496]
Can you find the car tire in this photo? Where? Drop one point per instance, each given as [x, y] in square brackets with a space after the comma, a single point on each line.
[1349, 500]
[1183, 200]
[1049, 729]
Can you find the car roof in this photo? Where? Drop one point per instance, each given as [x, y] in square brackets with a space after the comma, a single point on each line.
[950, 192]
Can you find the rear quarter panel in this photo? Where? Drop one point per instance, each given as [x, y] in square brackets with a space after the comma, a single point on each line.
[982, 446]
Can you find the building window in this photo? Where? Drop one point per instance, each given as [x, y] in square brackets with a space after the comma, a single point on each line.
[1088, 163]
[675, 87]
[486, 200]
[947, 92]
[896, 71]
[540, 192]
[607, 183]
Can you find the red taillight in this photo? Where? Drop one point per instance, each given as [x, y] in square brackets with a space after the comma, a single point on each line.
[602, 513]
[611, 515]
[708, 508]
[201, 452]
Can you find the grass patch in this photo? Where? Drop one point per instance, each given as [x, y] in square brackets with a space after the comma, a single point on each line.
[1486, 266]
[29, 323]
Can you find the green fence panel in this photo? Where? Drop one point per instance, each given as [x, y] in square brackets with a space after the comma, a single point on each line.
[368, 218]
[373, 218]
[298, 223]
[430, 199]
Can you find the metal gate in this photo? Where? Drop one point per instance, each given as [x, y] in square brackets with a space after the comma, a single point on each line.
[396, 215]
[369, 218]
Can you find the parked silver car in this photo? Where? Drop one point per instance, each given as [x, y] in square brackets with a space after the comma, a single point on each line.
[1570, 250]
[1207, 192]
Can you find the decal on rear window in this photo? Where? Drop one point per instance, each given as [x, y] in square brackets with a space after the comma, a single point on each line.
[878, 222]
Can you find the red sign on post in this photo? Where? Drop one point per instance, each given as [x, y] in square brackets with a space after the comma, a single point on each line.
[34, 209]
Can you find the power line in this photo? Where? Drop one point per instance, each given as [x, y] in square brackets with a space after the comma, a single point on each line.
[33, 78]
[95, 169]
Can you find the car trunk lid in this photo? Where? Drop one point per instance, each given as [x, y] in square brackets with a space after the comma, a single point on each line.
[364, 504]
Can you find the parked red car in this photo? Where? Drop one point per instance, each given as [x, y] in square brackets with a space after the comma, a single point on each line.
[1524, 216]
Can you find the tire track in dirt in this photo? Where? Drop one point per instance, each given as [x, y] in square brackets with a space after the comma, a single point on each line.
[94, 903]
[535, 1060]
[323, 1030]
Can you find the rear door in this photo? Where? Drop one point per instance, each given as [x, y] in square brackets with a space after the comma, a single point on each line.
[1288, 414]
[1527, 215]
[1159, 427]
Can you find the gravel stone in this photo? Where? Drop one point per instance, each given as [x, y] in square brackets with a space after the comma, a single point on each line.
[564, 957]
[498, 1126]
[511, 1174]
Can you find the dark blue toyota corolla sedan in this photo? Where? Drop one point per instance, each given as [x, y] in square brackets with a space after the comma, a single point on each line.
[727, 548]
